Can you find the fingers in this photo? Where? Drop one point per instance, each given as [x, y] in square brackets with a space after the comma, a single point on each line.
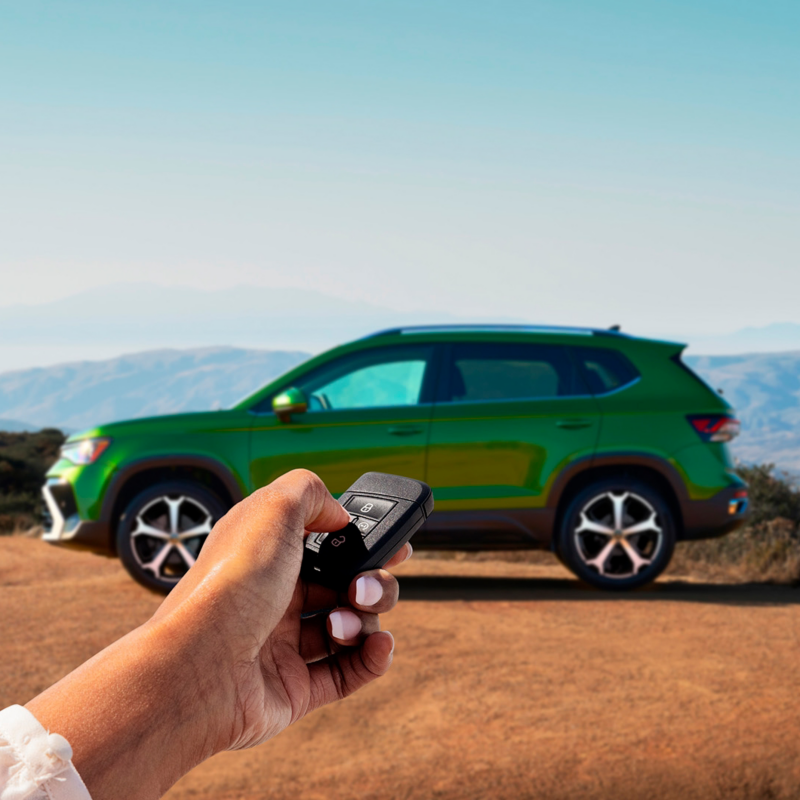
[376, 591]
[370, 594]
[326, 634]
[403, 554]
[318, 598]
[348, 627]
[347, 671]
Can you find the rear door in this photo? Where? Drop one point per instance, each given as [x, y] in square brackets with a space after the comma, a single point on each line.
[508, 417]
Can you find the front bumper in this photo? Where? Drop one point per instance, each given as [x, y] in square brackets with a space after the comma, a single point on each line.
[707, 519]
[63, 525]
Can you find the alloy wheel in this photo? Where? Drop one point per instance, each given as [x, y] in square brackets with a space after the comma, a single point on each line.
[168, 534]
[618, 534]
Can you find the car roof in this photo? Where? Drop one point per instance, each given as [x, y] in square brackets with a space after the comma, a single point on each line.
[532, 329]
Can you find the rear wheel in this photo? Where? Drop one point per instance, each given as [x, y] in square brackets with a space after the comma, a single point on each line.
[162, 530]
[617, 534]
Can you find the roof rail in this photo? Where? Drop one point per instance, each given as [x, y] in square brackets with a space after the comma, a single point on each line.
[479, 328]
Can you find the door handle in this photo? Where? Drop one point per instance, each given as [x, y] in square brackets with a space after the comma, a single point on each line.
[573, 424]
[404, 430]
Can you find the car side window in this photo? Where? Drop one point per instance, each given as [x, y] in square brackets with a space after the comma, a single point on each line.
[377, 378]
[486, 371]
[606, 370]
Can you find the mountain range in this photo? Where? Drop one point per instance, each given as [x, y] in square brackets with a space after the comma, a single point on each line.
[106, 321]
[764, 389]
[82, 394]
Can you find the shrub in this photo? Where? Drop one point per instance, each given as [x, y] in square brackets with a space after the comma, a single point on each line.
[767, 548]
[772, 495]
[24, 460]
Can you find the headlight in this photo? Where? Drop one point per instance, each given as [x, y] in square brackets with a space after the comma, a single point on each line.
[84, 451]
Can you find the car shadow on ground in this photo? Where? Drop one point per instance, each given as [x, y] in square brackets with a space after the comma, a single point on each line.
[444, 587]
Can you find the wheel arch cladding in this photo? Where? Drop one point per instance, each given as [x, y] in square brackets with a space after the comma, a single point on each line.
[137, 478]
[649, 475]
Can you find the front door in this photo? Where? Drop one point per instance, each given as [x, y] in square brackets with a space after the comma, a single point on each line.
[509, 417]
[367, 411]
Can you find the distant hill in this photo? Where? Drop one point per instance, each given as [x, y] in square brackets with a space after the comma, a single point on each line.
[764, 389]
[133, 317]
[15, 426]
[775, 338]
[85, 393]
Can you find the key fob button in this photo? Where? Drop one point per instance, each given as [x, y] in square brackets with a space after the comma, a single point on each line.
[364, 525]
[315, 540]
[370, 507]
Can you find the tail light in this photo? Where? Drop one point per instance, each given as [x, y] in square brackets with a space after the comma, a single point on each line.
[714, 427]
[739, 503]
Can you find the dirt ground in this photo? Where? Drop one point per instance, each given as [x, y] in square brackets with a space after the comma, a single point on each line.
[509, 681]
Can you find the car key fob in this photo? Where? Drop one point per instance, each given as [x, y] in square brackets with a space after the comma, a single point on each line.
[385, 512]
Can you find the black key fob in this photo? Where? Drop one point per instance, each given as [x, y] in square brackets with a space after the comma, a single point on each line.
[385, 512]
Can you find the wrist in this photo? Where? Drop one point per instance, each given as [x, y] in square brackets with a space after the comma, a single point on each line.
[195, 678]
[112, 711]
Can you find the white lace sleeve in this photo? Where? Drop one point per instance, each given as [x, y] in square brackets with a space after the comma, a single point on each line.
[35, 764]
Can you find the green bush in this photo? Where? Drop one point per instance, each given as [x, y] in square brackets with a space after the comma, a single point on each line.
[24, 460]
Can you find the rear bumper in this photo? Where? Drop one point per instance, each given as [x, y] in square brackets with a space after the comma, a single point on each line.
[64, 527]
[706, 519]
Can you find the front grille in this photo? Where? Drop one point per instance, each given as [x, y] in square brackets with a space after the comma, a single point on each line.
[47, 519]
[64, 497]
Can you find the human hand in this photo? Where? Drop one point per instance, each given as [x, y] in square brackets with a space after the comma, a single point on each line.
[228, 660]
[245, 592]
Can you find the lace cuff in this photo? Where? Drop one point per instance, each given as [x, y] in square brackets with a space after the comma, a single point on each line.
[35, 764]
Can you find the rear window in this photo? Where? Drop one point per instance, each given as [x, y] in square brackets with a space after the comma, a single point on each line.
[509, 371]
[606, 370]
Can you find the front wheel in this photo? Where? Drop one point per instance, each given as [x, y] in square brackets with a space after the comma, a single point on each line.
[617, 534]
[160, 534]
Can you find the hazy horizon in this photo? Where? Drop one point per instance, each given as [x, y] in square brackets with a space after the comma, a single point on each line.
[128, 318]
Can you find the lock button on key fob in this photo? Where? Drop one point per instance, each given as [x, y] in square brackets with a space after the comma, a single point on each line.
[370, 507]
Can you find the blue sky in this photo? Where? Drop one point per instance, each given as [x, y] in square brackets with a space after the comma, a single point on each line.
[563, 162]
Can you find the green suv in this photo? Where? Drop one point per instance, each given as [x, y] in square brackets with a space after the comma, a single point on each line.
[603, 447]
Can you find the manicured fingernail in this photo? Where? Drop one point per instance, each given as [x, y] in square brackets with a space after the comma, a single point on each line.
[368, 591]
[410, 552]
[344, 624]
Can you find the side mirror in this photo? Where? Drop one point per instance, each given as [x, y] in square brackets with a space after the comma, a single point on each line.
[291, 401]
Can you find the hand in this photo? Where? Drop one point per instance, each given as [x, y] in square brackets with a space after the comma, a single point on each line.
[227, 661]
[279, 667]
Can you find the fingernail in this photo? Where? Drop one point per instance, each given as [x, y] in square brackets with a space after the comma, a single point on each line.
[391, 652]
[368, 591]
[410, 552]
[344, 624]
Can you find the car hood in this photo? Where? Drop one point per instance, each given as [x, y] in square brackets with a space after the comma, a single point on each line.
[192, 422]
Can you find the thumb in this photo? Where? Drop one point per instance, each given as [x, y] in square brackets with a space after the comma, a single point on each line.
[319, 511]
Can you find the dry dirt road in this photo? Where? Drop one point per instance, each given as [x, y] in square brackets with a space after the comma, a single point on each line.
[509, 681]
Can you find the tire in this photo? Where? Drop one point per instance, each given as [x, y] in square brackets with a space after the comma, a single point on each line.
[596, 542]
[160, 534]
